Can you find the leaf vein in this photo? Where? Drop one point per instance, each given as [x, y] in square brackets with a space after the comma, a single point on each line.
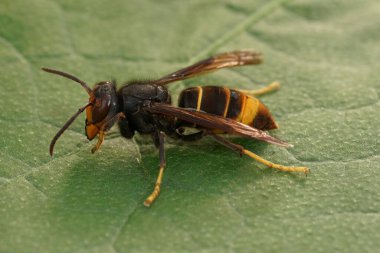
[241, 27]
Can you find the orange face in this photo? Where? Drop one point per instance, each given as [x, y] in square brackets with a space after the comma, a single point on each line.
[91, 129]
[97, 112]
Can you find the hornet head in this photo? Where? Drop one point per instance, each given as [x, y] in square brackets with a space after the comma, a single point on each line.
[101, 109]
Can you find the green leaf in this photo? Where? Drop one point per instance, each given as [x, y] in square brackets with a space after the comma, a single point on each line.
[326, 55]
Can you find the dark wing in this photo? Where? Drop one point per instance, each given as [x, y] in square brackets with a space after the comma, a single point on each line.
[225, 60]
[210, 121]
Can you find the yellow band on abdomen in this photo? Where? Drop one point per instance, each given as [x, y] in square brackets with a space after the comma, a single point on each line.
[199, 101]
[249, 110]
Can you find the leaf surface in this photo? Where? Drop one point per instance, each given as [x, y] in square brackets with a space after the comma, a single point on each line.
[326, 56]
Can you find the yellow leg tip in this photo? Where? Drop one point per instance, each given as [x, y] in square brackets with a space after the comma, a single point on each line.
[294, 169]
[99, 143]
[148, 202]
[153, 196]
[269, 88]
[305, 170]
[276, 166]
[274, 86]
[157, 189]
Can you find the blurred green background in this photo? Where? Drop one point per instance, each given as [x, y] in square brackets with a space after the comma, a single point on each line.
[326, 55]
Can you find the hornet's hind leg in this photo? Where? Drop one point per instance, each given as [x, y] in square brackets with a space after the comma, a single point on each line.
[269, 88]
[242, 151]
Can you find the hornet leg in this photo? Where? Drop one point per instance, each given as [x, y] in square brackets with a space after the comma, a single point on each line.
[101, 135]
[240, 149]
[269, 88]
[157, 187]
[105, 127]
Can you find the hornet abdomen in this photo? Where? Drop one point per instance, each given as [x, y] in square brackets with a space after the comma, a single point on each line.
[228, 103]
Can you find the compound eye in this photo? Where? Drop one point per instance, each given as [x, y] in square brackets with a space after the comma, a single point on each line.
[101, 108]
[101, 103]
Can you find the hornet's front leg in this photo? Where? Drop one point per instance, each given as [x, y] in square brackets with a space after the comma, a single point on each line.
[157, 187]
[103, 130]
[101, 136]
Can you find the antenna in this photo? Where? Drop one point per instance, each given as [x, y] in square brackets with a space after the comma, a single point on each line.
[69, 76]
[65, 126]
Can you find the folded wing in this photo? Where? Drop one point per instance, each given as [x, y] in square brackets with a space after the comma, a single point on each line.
[210, 121]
